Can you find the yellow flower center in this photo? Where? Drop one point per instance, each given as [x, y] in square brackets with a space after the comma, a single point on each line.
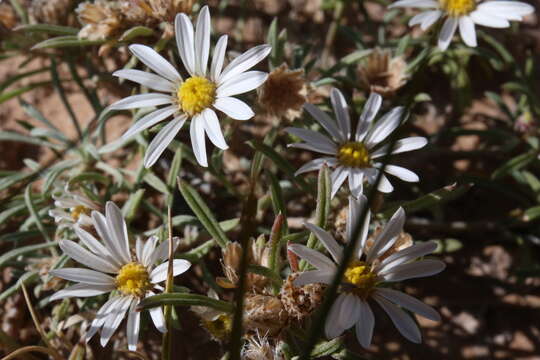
[133, 279]
[196, 94]
[458, 8]
[77, 211]
[220, 328]
[353, 154]
[360, 275]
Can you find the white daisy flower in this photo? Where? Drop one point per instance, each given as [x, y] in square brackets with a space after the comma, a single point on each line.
[354, 155]
[114, 268]
[71, 208]
[465, 14]
[366, 275]
[197, 97]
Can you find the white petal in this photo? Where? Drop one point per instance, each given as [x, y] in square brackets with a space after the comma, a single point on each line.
[320, 148]
[118, 229]
[313, 277]
[155, 62]
[85, 276]
[140, 101]
[341, 109]
[242, 83]
[234, 108]
[326, 122]
[133, 327]
[403, 322]
[402, 145]
[350, 311]
[467, 31]
[149, 120]
[218, 58]
[409, 303]
[507, 8]
[100, 224]
[333, 328]
[314, 139]
[114, 319]
[415, 3]
[425, 19]
[81, 290]
[356, 182]
[213, 128]
[372, 106]
[327, 240]
[148, 250]
[198, 143]
[411, 253]
[102, 315]
[162, 140]
[485, 18]
[365, 324]
[162, 251]
[92, 244]
[338, 177]
[384, 126]
[387, 236]
[401, 172]
[447, 32]
[202, 41]
[413, 270]
[313, 257]
[157, 317]
[185, 42]
[144, 78]
[139, 250]
[316, 164]
[356, 206]
[244, 62]
[85, 257]
[384, 185]
[159, 274]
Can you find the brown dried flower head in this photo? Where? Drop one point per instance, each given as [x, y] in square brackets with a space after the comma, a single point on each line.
[8, 19]
[259, 347]
[101, 19]
[383, 73]
[300, 301]
[55, 12]
[264, 314]
[284, 92]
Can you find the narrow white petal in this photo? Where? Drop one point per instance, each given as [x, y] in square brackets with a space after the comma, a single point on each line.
[160, 142]
[356, 207]
[402, 145]
[244, 62]
[85, 276]
[384, 126]
[155, 62]
[313, 277]
[234, 108]
[118, 229]
[81, 290]
[415, 4]
[320, 148]
[384, 185]
[411, 253]
[144, 78]
[316, 164]
[100, 224]
[401, 172]
[447, 32]
[326, 122]
[467, 31]
[365, 324]
[333, 328]
[159, 274]
[102, 315]
[485, 18]
[341, 109]
[409, 303]
[327, 240]
[202, 41]
[314, 139]
[133, 326]
[139, 250]
[162, 251]
[507, 8]
[413, 270]
[149, 120]
[242, 83]
[85, 257]
[198, 143]
[157, 317]
[218, 58]
[148, 250]
[338, 177]
[313, 257]
[185, 41]
[356, 182]
[140, 101]
[372, 106]
[430, 19]
[350, 311]
[213, 129]
[387, 236]
[114, 319]
[403, 322]
[92, 244]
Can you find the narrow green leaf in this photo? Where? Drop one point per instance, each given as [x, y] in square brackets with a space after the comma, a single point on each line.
[48, 28]
[132, 205]
[33, 212]
[136, 32]
[66, 41]
[182, 299]
[514, 164]
[23, 250]
[151, 179]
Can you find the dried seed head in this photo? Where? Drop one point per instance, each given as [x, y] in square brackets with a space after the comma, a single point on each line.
[102, 20]
[259, 347]
[300, 301]
[284, 92]
[383, 74]
[340, 223]
[264, 314]
[55, 12]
